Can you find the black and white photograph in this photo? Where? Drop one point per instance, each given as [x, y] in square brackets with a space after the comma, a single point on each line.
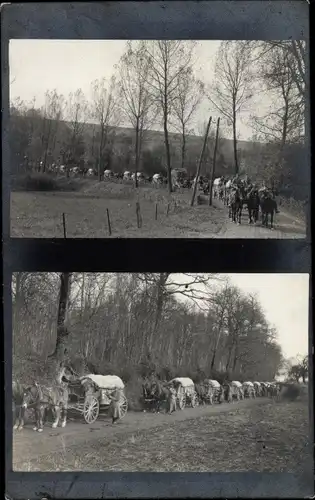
[160, 372]
[158, 139]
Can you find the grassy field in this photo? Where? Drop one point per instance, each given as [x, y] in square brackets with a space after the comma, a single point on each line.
[266, 438]
[39, 214]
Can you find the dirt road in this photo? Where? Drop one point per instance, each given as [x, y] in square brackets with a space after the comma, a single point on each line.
[28, 444]
[285, 226]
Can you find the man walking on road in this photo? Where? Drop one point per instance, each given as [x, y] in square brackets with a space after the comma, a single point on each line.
[172, 399]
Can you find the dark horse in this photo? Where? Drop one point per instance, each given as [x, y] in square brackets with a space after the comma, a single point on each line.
[43, 398]
[268, 208]
[253, 205]
[155, 393]
[235, 205]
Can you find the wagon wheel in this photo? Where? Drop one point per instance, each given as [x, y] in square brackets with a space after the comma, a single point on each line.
[123, 407]
[194, 400]
[91, 409]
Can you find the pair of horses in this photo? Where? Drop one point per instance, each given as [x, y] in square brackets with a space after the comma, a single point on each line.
[41, 398]
[240, 197]
[155, 394]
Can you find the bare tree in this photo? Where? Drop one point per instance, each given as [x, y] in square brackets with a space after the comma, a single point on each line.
[104, 112]
[189, 93]
[136, 99]
[52, 113]
[168, 61]
[284, 121]
[232, 87]
[76, 114]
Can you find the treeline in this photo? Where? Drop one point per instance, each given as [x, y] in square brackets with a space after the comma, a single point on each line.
[155, 85]
[135, 324]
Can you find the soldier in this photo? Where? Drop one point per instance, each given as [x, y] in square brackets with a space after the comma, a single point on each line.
[115, 411]
[172, 399]
[265, 191]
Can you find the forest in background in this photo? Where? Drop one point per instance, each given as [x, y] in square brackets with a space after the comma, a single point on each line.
[135, 324]
[155, 86]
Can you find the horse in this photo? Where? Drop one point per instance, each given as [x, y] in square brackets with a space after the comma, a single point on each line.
[42, 398]
[203, 393]
[18, 391]
[253, 205]
[268, 208]
[235, 205]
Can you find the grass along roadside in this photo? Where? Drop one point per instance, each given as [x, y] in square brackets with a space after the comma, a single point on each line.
[268, 438]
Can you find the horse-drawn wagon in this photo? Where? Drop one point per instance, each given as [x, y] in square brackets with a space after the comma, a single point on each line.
[214, 391]
[90, 396]
[185, 391]
[249, 390]
[238, 389]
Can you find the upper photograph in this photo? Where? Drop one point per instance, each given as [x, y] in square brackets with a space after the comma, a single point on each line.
[158, 139]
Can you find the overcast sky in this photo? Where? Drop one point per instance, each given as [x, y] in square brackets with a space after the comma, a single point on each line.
[284, 298]
[66, 65]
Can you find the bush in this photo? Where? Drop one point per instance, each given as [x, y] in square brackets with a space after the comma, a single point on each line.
[292, 392]
[43, 182]
[34, 182]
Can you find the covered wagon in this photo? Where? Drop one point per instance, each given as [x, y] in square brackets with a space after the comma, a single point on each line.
[238, 387]
[258, 389]
[185, 391]
[214, 390]
[90, 395]
[249, 390]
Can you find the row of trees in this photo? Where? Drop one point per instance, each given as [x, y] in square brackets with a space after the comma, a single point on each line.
[120, 323]
[155, 84]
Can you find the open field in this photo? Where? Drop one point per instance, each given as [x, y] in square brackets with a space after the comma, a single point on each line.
[253, 435]
[39, 215]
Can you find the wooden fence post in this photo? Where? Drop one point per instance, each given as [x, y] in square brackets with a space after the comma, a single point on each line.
[200, 162]
[109, 224]
[64, 225]
[156, 211]
[213, 164]
[139, 218]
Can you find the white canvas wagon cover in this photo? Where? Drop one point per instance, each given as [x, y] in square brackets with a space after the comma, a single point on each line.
[249, 383]
[236, 383]
[105, 381]
[213, 383]
[184, 381]
[257, 383]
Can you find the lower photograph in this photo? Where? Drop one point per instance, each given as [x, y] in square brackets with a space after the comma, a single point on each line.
[160, 372]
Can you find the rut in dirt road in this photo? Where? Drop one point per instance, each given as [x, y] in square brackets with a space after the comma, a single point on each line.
[29, 445]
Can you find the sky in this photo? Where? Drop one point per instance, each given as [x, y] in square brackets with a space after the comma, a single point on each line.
[285, 301]
[66, 65]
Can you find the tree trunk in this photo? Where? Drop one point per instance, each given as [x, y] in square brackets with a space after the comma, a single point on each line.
[183, 146]
[229, 357]
[137, 153]
[160, 300]
[168, 155]
[60, 350]
[235, 141]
